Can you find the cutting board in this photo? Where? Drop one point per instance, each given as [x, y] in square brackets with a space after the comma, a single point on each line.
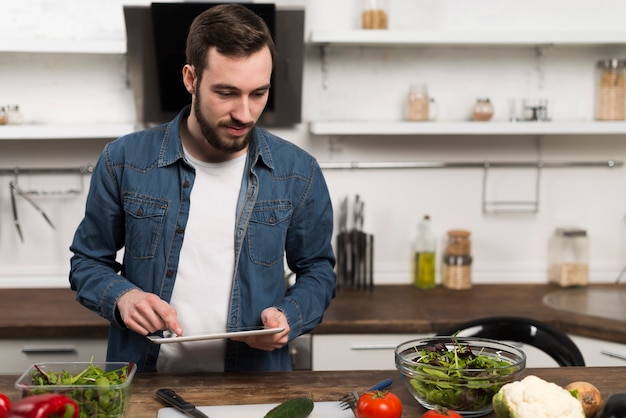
[320, 410]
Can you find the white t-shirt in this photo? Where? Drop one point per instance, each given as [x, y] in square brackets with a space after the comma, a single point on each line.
[202, 290]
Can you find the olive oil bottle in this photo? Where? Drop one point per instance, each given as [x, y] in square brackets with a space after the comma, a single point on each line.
[424, 256]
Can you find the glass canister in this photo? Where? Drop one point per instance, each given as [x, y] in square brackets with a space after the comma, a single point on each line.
[374, 14]
[418, 103]
[457, 260]
[568, 257]
[482, 110]
[611, 90]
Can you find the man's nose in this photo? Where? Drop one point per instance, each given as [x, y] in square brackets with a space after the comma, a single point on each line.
[241, 110]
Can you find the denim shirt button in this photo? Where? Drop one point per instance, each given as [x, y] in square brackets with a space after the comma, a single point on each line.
[169, 274]
[179, 229]
[272, 220]
[186, 183]
[139, 212]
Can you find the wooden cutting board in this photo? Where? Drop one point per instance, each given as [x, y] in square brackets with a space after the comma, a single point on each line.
[320, 410]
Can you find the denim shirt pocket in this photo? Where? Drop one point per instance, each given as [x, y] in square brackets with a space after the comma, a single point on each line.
[267, 231]
[144, 224]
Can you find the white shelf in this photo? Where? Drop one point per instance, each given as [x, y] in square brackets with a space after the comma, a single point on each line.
[404, 37]
[466, 128]
[93, 131]
[52, 46]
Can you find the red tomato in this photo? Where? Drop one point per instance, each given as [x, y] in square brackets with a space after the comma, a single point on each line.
[440, 412]
[379, 404]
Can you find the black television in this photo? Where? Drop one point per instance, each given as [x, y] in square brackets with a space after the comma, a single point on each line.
[156, 38]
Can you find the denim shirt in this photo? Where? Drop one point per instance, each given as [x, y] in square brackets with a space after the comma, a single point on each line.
[139, 200]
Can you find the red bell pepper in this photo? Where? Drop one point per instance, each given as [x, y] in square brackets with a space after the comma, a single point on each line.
[5, 405]
[49, 405]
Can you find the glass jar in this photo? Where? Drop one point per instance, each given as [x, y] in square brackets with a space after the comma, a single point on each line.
[457, 260]
[568, 257]
[3, 116]
[418, 103]
[374, 14]
[483, 110]
[611, 90]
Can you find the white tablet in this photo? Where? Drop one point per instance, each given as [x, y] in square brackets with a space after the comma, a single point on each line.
[215, 335]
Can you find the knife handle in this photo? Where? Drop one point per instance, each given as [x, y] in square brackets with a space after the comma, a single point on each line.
[172, 398]
[381, 385]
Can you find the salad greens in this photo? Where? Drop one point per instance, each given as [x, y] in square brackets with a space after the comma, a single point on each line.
[105, 399]
[458, 378]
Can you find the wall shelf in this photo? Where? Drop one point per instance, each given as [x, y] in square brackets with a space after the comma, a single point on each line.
[86, 131]
[465, 128]
[61, 46]
[407, 38]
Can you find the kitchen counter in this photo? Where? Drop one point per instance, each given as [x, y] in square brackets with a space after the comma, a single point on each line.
[404, 309]
[251, 388]
[54, 313]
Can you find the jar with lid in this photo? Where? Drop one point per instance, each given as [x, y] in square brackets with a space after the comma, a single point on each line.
[3, 116]
[568, 257]
[482, 110]
[611, 90]
[418, 103]
[374, 14]
[457, 260]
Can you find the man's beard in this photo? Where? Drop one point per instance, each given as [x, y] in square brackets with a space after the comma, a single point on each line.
[213, 138]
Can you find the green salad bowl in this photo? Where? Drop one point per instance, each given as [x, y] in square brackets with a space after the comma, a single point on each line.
[457, 373]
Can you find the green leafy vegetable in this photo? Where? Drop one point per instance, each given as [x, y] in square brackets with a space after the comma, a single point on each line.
[104, 399]
[458, 378]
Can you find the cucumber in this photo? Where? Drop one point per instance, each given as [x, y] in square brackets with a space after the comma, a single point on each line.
[293, 408]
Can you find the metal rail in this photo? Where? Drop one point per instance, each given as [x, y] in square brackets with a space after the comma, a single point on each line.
[484, 164]
[488, 206]
[16, 171]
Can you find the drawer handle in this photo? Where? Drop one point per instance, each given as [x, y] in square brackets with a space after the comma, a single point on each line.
[373, 346]
[49, 350]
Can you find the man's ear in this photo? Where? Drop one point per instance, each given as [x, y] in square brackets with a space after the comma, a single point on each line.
[189, 78]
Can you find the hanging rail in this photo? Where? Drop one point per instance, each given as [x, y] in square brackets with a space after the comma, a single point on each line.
[43, 171]
[483, 164]
[488, 206]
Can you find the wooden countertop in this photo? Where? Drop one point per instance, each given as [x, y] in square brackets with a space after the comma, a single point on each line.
[400, 309]
[275, 387]
[54, 313]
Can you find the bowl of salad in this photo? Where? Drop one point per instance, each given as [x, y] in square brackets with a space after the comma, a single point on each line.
[458, 373]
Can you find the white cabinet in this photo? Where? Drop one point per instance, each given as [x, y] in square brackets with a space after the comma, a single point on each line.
[16, 355]
[357, 351]
[376, 352]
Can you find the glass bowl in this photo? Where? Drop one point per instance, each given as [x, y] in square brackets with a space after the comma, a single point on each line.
[454, 381]
[106, 398]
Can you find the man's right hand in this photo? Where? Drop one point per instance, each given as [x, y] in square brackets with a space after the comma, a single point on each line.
[146, 313]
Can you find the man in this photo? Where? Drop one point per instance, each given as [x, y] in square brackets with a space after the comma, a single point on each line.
[206, 208]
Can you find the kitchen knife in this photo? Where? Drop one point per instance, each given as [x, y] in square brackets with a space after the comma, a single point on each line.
[172, 398]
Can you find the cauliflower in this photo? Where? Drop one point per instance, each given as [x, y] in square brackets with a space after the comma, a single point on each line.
[533, 397]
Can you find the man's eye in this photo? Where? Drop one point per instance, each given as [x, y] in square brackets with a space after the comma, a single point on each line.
[225, 93]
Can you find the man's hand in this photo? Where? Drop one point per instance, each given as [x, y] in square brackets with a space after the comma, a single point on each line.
[146, 313]
[272, 318]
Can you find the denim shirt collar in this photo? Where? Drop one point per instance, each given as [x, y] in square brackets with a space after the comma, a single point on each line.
[172, 149]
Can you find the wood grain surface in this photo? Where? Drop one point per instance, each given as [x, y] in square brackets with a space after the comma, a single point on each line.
[275, 387]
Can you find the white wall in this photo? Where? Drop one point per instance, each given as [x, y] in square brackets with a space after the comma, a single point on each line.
[352, 83]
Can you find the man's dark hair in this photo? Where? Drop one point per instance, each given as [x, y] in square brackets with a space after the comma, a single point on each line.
[233, 29]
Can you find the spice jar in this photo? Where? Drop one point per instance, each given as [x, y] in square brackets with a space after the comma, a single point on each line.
[611, 90]
[568, 253]
[374, 14]
[3, 116]
[418, 103]
[482, 110]
[457, 260]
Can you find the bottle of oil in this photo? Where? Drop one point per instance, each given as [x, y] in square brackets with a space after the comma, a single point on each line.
[424, 256]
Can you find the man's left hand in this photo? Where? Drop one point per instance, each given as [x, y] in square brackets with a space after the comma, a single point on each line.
[272, 318]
